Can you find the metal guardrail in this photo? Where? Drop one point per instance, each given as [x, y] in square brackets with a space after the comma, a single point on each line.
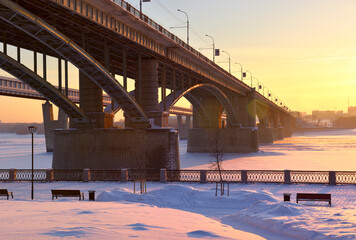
[116, 25]
[163, 175]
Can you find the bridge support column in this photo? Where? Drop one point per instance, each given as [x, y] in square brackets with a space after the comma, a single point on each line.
[278, 133]
[231, 140]
[50, 124]
[116, 148]
[287, 126]
[183, 127]
[91, 101]
[213, 110]
[265, 134]
[246, 109]
[146, 91]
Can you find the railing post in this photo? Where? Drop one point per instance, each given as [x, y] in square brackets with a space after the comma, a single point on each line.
[243, 176]
[332, 178]
[202, 176]
[12, 174]
[163, 175]
[86, 174]
[49, 175]
[124, 175]
[287, 179]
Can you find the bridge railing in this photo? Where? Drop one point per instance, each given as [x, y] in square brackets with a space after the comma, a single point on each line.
[202, 176]
[167, 33]
[176, 39]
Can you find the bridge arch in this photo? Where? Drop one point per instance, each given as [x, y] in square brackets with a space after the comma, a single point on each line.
[26, 75]
[66, 48]
[174, 97]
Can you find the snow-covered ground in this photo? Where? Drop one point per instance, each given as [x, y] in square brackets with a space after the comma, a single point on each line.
[189, 210]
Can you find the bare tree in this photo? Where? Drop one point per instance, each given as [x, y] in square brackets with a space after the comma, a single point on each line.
[217, 155]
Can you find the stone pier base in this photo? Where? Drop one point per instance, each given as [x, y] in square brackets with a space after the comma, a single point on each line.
[232, 140]
[265, 135]
[50, 124]
[183, 127]
[116, 148]
[278, 133]
[287, 132]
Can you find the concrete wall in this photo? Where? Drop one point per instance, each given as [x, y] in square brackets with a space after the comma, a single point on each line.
[233, 140]
[278, 133]
[50, 124]
[183, 128]
[265, 135]
[116, 148]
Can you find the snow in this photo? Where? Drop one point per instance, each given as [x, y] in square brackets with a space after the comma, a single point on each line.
[188, 210]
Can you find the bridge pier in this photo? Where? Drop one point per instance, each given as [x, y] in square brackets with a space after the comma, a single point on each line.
[265, 134]
[146, 91]
[278, 133]
[116, 148]
[50, 124]
[183, 128]
[91, 102]
[232, 140]
[287, 126]
[246, 109]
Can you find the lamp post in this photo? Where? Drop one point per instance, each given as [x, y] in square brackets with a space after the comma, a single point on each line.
[187, 24]
[32, 130]
[141, 6]
[213, 46]
[229, 60]
[250, 75]
[241, 70]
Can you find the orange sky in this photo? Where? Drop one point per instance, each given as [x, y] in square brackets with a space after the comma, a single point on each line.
[304, 51]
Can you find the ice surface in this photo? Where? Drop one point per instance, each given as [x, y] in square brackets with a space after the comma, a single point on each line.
[188, 211]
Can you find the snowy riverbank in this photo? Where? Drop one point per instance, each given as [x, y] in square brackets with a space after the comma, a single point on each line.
[177, 211]
[189, 210]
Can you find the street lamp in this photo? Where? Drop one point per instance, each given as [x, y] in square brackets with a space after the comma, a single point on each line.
[240, 71]
[250, 75]
[187, 24]
[229, 60]
[213, 46]
[141, 6]
[32, 130]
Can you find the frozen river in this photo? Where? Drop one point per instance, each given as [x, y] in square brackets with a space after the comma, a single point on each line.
[326, 150]
[189, 210]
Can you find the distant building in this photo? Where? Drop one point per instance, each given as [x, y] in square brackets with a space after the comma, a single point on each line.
[352, 111]
[346, 122]
[330, 115]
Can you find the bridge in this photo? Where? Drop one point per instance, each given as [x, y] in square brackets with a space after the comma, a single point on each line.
[104, 38]
[15, 88]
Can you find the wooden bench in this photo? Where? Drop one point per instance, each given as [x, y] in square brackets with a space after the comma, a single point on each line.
[4, 192]
[67, 193]
[325, 197]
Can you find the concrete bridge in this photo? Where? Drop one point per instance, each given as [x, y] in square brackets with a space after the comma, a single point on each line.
[104, 38]
[15, 88]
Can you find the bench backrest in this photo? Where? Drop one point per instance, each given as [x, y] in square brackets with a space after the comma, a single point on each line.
[3, 191]
[313, 196]
[65, 192]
